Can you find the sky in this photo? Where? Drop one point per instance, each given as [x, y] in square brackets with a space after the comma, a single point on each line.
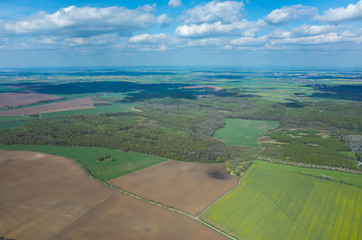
[71, 33]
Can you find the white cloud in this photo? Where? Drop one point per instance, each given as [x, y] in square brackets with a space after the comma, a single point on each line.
[175, 3]
[207, 42]
[225, 11]
[155, 42]
[216, 29]
[286, 14]
[304, 31]
[84, 21]
[311, 40]
[337, 15]
[149, 38]
[163, 20]
[250, 41]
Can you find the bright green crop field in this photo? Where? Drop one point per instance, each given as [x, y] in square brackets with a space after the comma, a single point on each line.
[273, 203]
[243, 132]
[125, 162]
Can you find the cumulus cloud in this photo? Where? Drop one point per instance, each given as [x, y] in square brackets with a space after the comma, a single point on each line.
[304, 31]
[286, 14]
[352, 12]
[155, 42]
[163, 20]
[311, 40]
[207, 42]
[216, 28]
[226, 12]
[149, 38]
[85, 21]
[174, 3]
[250, 41]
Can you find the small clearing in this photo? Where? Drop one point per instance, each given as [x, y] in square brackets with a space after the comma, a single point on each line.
[243, 132]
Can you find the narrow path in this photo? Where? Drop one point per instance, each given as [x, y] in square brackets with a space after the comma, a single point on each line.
[171, 208]
[61, 233]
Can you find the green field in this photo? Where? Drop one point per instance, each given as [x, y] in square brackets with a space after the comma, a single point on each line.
[243, 132]
[275, 202]
[114, 108]
[125, 162]
[4, 125]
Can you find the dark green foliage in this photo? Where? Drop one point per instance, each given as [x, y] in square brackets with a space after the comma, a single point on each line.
[4, 238]
[100, 131]
[184, 116]
[307, 147]
[347, 92]
[243, 162]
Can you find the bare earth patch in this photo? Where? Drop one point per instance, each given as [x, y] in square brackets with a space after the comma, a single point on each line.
[15, 99]
[323, 135]
[137, 110]
[81, 103]
[49, 197]
[190, 187]
[266, 139]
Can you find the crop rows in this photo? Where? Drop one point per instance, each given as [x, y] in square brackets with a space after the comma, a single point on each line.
[275, 204]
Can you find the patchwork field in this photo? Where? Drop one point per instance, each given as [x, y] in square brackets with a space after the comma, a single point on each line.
[114, 108]
[78, 207]
[123, 217]
[190, 187]
[14, 99]
[273, 203]
[81, 103]
[243, 132]
[124, 162]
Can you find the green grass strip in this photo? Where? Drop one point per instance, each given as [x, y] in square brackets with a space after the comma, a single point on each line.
[125, 162]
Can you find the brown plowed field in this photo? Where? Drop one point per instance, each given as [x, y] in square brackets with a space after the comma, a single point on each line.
[49, 197]
[190, 187]
[14, 99]
[81, 103]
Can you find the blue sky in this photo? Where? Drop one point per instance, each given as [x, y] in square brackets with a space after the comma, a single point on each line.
[43, 33]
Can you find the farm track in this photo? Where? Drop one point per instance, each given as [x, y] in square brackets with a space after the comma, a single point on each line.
[84, 224]
[241, 175]
[197, 218]
[60, 234]
[173, 209]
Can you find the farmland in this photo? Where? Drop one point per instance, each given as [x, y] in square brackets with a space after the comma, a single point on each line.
[298, 206]
[82, 103]
[37, 189]
[125, 162]
[243, 132]
[15, 99]
[190, 187]
[167, 139]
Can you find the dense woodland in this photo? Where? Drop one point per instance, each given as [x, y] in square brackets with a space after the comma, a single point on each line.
[102, 131]
[179, 124]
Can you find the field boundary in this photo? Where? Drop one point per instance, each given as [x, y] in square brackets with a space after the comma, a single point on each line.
[145, 199]
[298, 164]
[167, 207]
[81, 217]
[198, 216]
